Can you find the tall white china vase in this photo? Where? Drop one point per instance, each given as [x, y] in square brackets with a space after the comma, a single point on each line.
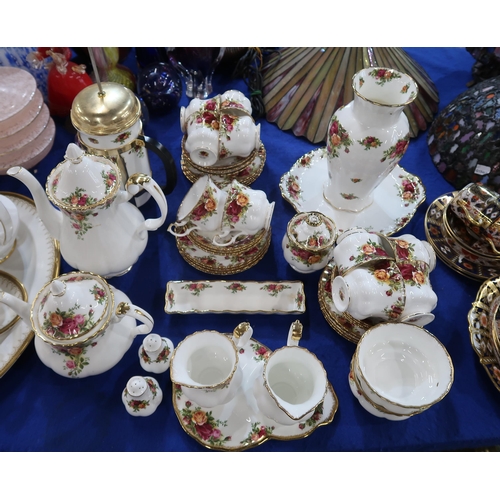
[368, 137]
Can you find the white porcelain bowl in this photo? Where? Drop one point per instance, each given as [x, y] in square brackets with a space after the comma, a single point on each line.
[403, 367]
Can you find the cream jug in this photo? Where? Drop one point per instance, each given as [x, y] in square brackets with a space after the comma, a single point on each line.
[98, 229]
[108, 124]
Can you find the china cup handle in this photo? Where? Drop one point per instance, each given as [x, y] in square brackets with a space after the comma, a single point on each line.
[294, 333]
[147, 323]
[138, 181]
[242, 334]
[475, 222]
[215, 240]
[175, 226]
[167, 159]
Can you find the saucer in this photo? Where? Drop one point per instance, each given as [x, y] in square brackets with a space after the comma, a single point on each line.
[392, 208]
[450, 251]
[34, 262]
[239, 425]
[343, 323]
[479, 328]
[246, 176]
[212, 263]
[368, 407]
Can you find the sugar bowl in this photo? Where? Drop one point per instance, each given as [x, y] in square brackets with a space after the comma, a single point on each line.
[309, 241]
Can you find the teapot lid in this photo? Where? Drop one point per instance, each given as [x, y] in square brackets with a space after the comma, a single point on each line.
[110, 112]
[82, 181]
[72, 308]
[312, 231]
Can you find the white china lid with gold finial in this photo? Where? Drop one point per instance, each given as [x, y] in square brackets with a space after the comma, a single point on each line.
[82, 181]
[72, 308]
[312, 231]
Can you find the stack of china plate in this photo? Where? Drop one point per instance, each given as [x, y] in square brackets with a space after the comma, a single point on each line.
[399, 370]
[197, 249]
[26, 129]
[454, 243]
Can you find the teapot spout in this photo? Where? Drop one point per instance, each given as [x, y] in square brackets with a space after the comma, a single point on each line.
[20, 307]
[50, 216]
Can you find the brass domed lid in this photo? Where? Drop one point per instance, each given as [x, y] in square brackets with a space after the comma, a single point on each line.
[110, 112]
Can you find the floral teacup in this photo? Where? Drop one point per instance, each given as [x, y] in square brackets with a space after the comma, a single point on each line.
[202, 144]
[246, 212]
[357, 247]
[238, 135]
[376, 290]
[201, 208]
[407, 247]
[235, 103]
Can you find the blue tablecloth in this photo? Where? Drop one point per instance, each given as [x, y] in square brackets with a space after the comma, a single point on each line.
[42, 411]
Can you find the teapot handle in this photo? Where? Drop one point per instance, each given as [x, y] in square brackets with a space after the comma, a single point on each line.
[167, 159]
[126, 309]
[143, 181]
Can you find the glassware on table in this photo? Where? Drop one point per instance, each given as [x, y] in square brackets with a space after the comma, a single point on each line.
[196, 65]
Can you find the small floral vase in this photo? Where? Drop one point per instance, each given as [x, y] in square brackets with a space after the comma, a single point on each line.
[155, 353]
[368, 137]
[141, 396]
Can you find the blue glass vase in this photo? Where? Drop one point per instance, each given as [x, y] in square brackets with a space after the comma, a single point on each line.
[160, 87]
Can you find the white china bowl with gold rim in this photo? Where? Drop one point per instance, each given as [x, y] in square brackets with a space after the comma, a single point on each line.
[403, 367]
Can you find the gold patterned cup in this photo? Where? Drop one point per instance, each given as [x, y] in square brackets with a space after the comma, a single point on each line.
[478, 207]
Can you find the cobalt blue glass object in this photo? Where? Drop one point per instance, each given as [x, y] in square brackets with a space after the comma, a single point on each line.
[160, 87]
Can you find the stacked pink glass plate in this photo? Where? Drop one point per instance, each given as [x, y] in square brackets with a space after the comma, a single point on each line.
[26, 129]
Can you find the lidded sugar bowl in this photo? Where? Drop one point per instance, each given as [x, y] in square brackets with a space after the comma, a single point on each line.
[309, 241]
[83, 325]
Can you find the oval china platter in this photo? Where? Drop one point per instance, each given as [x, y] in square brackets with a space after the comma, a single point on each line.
[34, 262]
[237, 425]
[395, 200]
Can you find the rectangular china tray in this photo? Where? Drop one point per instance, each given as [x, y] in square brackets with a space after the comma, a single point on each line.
[233, 296]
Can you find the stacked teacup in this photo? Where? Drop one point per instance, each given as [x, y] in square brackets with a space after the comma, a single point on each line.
[399, 370]
[383, 279]
[232, 224]
[221, 137]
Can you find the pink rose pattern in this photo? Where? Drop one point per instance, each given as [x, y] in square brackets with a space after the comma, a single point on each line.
[75, 359]
[257, 433]
[66, 324]
[275, 288]
[396, 152]
[236, 207]
[409, 189]
[337, 139]
[366, 253]
[122, 138]
[236, 287]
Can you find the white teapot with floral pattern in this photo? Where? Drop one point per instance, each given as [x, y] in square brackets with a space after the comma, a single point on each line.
[83, 325]
[98, 229]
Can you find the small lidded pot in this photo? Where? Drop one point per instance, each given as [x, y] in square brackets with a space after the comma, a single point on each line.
[309, 241]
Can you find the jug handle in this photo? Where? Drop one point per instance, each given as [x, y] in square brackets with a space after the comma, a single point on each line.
[242, 334]
[167, 159]
[294, 333]
[143, 181]
[126, 309]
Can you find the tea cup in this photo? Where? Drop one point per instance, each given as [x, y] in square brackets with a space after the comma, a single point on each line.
[374, 291]
[408, 247]
[420, 297]
[293, 383]
[202, 144]
[239, 135]
[9, 227]
[246, 212]
[479, 209]
[357, 247]
[205, 364]
[236, 103]
[201, 208]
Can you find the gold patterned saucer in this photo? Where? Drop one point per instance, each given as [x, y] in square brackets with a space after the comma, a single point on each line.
[480, 319]
[453, 253]
[246, 175]
[343, 323]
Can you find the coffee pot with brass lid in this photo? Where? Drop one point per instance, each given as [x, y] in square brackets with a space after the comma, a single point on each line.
[107, 117]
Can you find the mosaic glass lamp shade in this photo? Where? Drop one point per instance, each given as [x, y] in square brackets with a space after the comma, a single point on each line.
[464, 139]
[302, 87]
